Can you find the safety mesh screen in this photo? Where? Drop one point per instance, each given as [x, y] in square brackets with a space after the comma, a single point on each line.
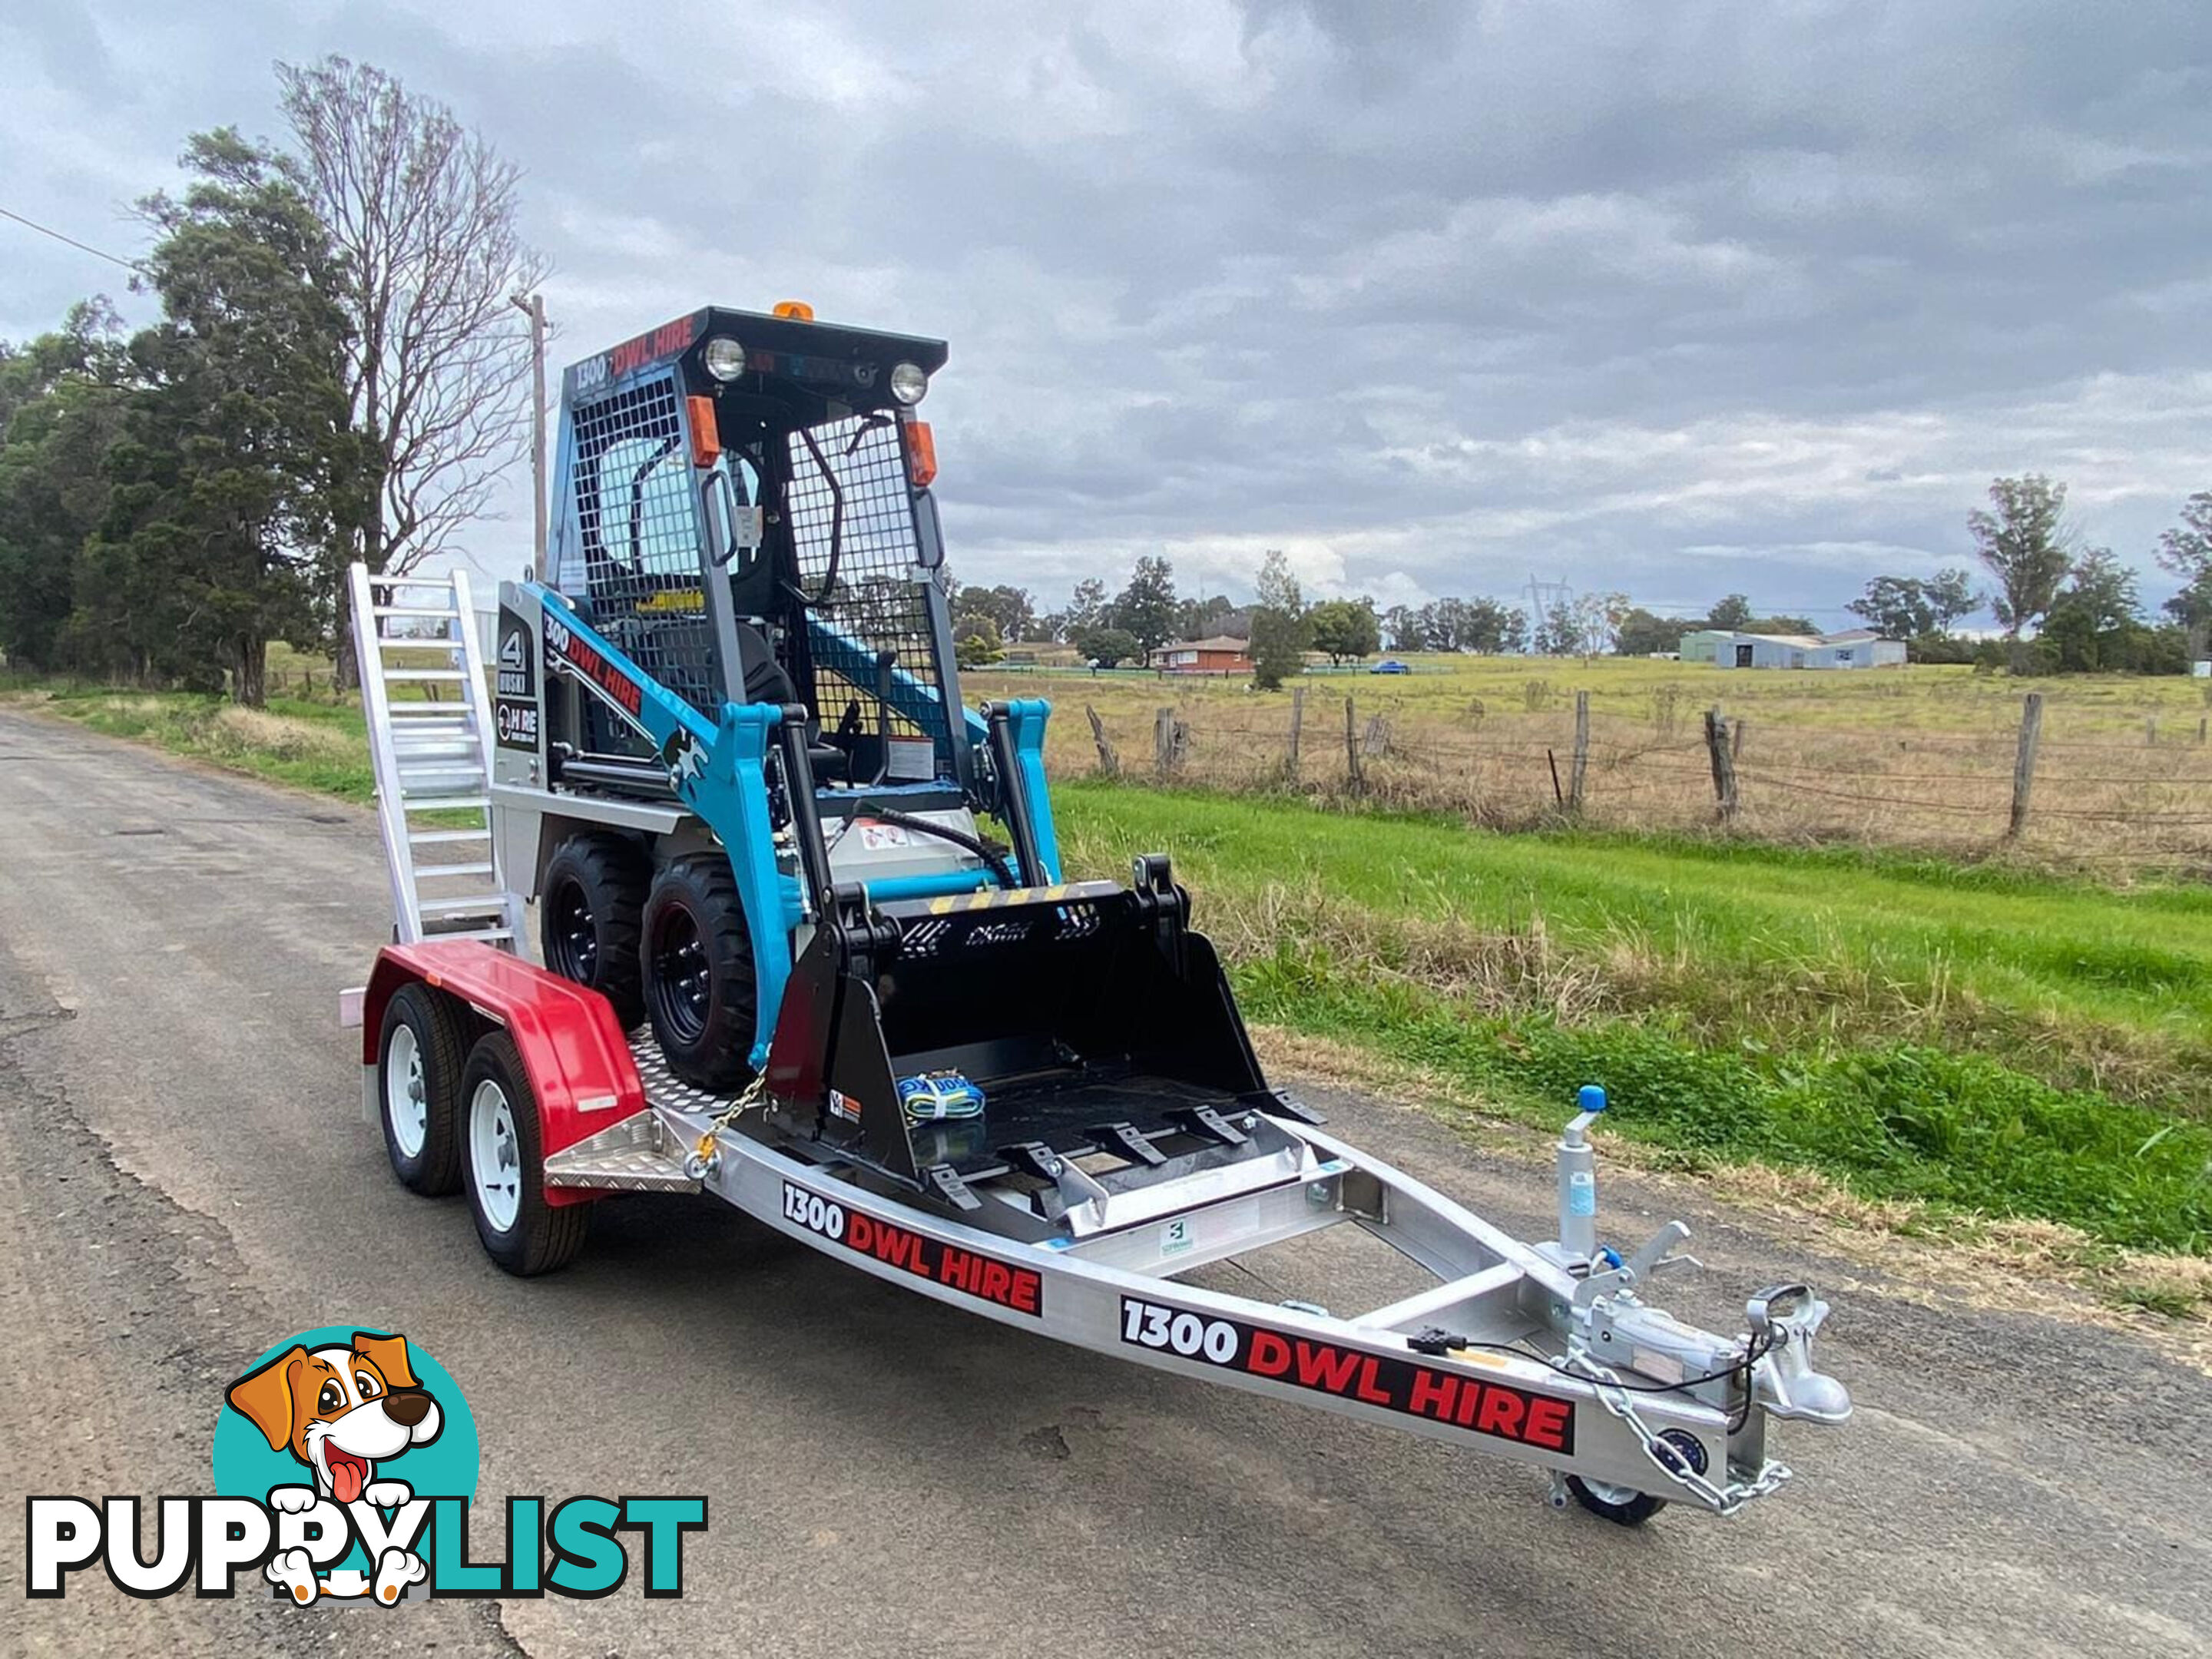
[851, 528]
[637, 516]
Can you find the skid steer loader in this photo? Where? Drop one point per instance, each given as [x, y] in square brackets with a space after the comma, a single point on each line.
[733, 757]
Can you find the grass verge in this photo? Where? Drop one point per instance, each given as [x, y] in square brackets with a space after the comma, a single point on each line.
[1964, 1041]
[309, 745]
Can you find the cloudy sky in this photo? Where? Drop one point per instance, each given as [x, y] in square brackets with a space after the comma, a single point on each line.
[1677, 298]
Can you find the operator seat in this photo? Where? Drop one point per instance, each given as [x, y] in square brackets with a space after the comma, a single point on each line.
[763, 676]
[765, 681]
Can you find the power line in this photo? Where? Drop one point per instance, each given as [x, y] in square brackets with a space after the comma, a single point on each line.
[82, 247]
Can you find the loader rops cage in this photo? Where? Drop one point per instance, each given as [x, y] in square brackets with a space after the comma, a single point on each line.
[808, 947]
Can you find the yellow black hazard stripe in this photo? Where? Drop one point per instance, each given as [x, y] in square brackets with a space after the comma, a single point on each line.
[1006, 898]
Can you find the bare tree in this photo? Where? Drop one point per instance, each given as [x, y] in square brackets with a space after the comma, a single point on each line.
[423, 212]
[2028, 547]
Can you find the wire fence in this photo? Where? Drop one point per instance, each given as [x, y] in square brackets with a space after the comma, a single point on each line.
[2112, 802]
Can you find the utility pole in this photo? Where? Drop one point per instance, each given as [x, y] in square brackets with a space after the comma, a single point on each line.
[1543, 598]
[533, 306]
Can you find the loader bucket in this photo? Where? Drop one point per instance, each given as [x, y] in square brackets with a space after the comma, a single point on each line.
[1074, 1008]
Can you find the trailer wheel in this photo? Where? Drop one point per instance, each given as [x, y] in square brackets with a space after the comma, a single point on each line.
[419, 1059]
[505, 1159]
[699, 986]
[1622, 1505]
[590, 908]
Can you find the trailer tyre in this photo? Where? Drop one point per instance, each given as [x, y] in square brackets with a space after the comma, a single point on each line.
[1618, 1504]
[700, 990]
[590, 907]
[419, 1059]
[506, 1160]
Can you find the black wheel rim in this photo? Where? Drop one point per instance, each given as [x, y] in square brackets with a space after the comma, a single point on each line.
[682, 983]
[575, 937]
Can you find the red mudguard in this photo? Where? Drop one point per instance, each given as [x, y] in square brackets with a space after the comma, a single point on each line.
[580, 1065]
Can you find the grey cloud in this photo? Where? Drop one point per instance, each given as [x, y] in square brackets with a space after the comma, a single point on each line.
[1675, 298]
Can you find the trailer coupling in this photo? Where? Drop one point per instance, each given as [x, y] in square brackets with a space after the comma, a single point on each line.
[1609, 1328]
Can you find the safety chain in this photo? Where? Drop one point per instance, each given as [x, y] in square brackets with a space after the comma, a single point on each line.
[706, 1157]
[1722, 1500]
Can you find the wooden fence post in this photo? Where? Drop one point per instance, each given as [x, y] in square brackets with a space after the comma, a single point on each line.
[1353, 775]
[1735, 737]
[2023, 765]
[1576, 772]
[1297, 722]
[1110, 763]
[1716, 747]
[1163, 743]
[2150, 732]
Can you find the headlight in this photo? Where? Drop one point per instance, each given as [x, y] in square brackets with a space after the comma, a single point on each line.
[724, 357]
[908, 383]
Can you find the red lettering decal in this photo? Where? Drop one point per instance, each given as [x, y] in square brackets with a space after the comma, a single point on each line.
[1432, 1394]
[1470, 1401]
[1501, 1413]
[1547, 1423]
[996, 1277]
[1270, 1355]
[887, 1243]
[1368, 1389]
[1320, 1366]
[957, 1269]
[1027, 1292]
[858, 1229]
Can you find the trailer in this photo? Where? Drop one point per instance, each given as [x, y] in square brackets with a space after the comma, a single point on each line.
[787, 966]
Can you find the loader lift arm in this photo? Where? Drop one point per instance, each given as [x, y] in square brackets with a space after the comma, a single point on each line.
[719, 772]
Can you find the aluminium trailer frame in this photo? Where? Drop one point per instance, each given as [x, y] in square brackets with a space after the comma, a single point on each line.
[1519, 1351]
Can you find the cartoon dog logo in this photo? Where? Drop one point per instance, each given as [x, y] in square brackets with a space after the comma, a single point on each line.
[341, 1412]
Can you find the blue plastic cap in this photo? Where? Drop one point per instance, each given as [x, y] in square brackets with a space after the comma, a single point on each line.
[1590, 1098]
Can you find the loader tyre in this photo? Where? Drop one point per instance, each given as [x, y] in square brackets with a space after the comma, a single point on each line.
[419, 1057]
[700, 992]
[590, 907]
[505, 1154]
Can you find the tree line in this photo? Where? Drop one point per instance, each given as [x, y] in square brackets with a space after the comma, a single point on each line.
[2066, 607]
[335, 376]
[2079, 601]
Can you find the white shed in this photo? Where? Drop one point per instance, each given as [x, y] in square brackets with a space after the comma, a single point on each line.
[1856, 647]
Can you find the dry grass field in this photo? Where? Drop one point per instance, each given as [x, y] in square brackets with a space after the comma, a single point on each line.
[1918, 758]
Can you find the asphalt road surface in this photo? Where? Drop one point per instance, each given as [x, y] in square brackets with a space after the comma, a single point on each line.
[186, 1180]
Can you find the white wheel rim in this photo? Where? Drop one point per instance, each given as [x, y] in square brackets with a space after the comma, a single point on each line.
[1606, 1492]
[406, 1091]
[494, 1155]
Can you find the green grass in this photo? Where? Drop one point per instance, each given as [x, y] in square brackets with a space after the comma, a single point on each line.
[1980, 1039]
